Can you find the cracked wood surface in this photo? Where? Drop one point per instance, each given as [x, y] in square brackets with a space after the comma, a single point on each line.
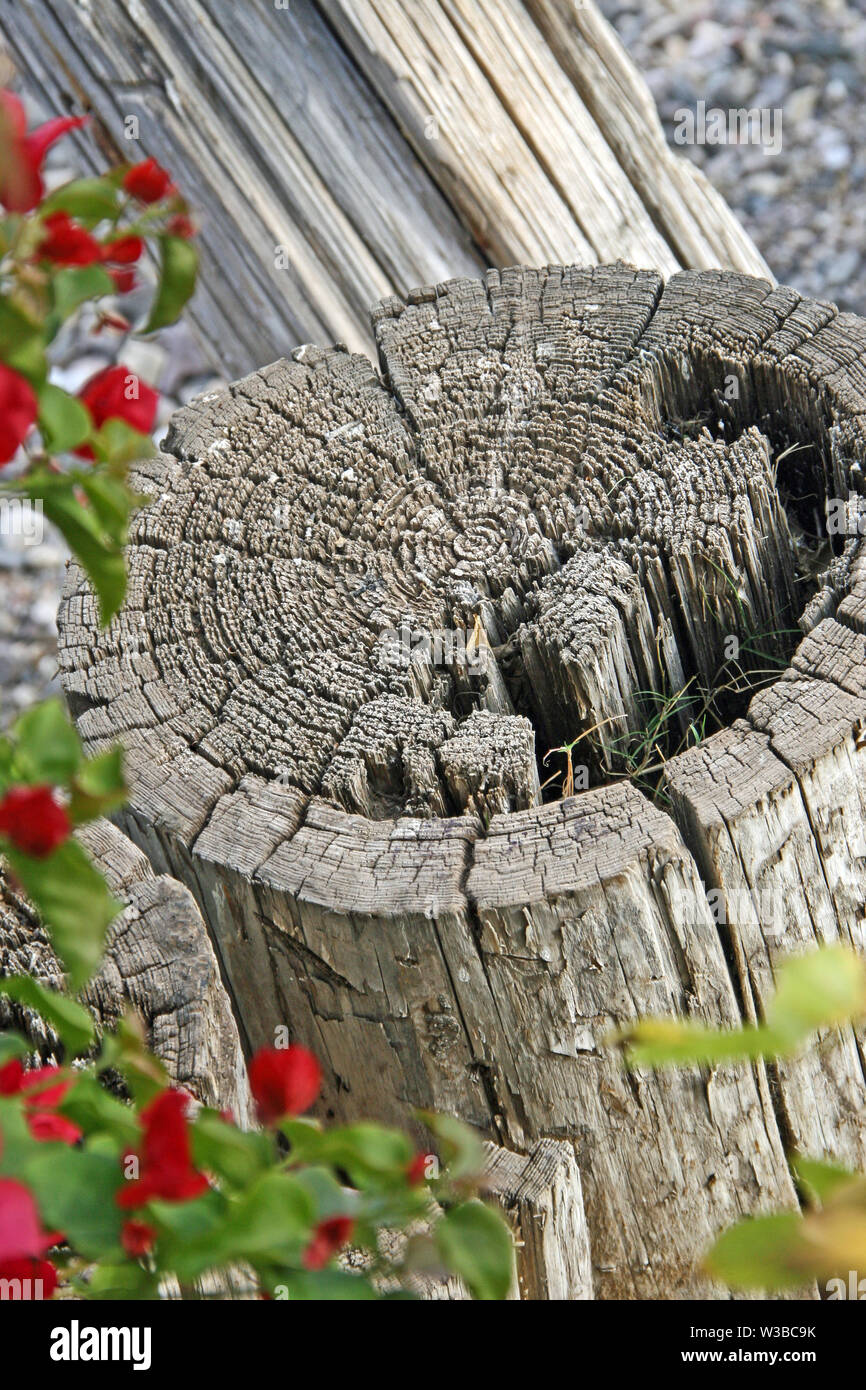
[159, 961]
[306, 129]
[551, 471]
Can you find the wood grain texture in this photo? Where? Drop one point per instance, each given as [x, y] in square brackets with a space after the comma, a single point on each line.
[542, 1194]
[680, 201]
[276, 141]
[303, 139]
[551, 470]
[535, 127]
[158, 962]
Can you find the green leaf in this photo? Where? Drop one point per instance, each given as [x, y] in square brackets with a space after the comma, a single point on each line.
[102, 776]
[71, 1022]
[88, 200]
[476, 1244]
[107, 491]
[818, 990]
[46, 746]
[74, 1190]
[116, 443]
[75, 284]
[98, 786]
[306, 1137]
[8, 228]
[238, 1156]
[269, 1222]
[13, 1045]
[22, 343]
[820, 1182]
[99, 551]
[460, 1146]
[125, 1050]
[98, 1112]
[6, 761]
[63, 420]
[661, 1042]
[274, 1213]
[120, 1281]
[74, 903]
[367, 1152]
[189, 1222]
[329, 1197]
[177, 276]
[331, 1285]
[18, 1143]
[763, 1253]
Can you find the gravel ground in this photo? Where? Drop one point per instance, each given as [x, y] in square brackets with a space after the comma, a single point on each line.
[804, 208]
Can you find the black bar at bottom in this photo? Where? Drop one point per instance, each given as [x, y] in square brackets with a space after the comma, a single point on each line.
[620, 1339]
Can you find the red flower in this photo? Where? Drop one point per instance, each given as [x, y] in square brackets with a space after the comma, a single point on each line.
[21, 1233]
[40, 1100]
[148, 181]
[180, 225]
[47, 1127]
[21, 186]
[137, 1238]
[18, 410]
[166, 1158]
[416, 1173]
[33, 821]
[116, 393]
[67, 243]
[124, 281]
[34, 1271]
[284, 1081]
[328, 1237]
[124, 250]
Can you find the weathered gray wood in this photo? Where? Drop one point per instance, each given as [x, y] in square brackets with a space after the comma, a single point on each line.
[771, 844]
[542, 1193]
[24, 948]
[319, 180]
[681, 202]
[553, 470]
[537, 145]
[277, 142]
[590, 912]
[159, 962]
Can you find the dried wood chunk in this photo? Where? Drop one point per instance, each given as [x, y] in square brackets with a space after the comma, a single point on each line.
[159, 963]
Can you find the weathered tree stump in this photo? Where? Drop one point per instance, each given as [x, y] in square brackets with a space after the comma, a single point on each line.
[564, 489]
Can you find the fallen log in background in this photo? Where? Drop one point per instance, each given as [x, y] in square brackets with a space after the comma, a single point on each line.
[554, 468]
[337, 152]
